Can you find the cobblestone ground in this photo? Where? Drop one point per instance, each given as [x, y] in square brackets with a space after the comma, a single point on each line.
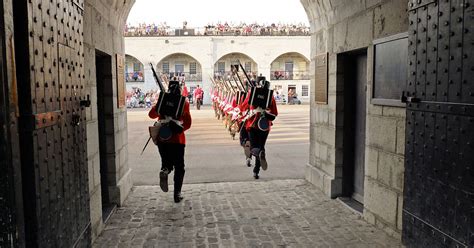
[281, 213]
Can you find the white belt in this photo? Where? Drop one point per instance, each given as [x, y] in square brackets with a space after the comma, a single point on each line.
[168, 120]
[254, 112]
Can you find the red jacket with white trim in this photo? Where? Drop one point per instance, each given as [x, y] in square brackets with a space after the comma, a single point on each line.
[185, 118]
[251, 122]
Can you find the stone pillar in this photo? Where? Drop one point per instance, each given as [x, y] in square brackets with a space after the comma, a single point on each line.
[207, 73]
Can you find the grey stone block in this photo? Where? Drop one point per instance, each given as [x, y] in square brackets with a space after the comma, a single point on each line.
[381, 200]
[382, 133]
[371, 162]
[400, 213]
[390, 18]
[394, 112]
[401, 129]
[374, 109]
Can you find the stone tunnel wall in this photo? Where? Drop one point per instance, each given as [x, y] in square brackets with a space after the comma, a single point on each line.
[103, 25]
[339, 26]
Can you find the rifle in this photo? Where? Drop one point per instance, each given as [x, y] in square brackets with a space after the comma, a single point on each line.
[162, 88]
[246, 75]
[234, 70]
[239, 83]
[227, 89]
[157, 79]
[230, 85]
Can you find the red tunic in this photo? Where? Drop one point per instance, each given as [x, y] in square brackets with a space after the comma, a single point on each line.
[185, 118]
[244, 106]
[198, 93]
[185, 92]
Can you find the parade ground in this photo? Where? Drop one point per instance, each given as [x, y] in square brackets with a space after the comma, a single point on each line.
[212, 155]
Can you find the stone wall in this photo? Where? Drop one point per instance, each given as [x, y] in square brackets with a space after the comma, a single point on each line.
[341, 26]
[103, 22]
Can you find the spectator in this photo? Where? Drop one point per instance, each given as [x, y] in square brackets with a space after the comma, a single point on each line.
[198, 97]
[148, 101]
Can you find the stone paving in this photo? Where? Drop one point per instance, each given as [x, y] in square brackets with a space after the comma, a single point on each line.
[280, 213]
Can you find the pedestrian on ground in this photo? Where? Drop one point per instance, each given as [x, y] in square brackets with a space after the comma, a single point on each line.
[198, 96]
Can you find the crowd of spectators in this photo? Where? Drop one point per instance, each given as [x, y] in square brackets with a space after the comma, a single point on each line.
[144, 29]
[219, 29]
[136, 98]
[256, 29]
[136, 76]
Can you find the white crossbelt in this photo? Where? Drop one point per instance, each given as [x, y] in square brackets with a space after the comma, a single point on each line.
[168, 120]
[254, 112]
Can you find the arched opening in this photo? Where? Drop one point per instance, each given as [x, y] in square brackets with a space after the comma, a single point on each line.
[290, 75]
[222, 67]
[290, 66]
[134, 70]
[181, 66]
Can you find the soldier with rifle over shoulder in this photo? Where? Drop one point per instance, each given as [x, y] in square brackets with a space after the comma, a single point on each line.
[261, 110]
[174, 118]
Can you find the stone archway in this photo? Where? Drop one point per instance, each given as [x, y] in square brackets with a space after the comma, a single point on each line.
[179, 65]
[290, 66]
[134, 70]
[224, 62]
[87, 28]
[336, 27]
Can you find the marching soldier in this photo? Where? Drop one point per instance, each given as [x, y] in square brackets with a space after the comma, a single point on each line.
[257, 125]
[172, 148]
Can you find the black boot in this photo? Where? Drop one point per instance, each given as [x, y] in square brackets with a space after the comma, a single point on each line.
[164, 180]
[178, 183]
[263, 160]
[178, 197]
[249, 162]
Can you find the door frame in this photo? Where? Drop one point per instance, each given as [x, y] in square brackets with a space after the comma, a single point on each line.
[106, 132]
[345, 61]
[10, 165]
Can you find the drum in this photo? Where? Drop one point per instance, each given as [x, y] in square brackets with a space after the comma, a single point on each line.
[263, 124]
[165, 133]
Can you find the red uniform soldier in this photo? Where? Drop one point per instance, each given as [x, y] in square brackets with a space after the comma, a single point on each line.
[172, 149]
[256, 134]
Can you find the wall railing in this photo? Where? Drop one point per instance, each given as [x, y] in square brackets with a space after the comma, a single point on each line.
[186, 76]
[228, 74]
[289, 75]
